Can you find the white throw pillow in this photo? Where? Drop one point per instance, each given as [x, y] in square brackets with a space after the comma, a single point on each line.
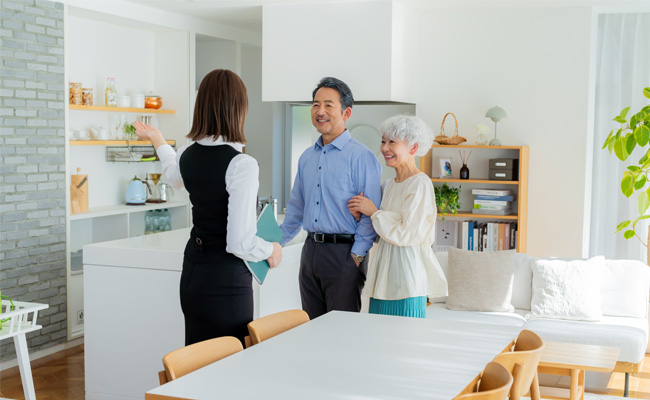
[481, 281]
[625, 288]
[567, 289]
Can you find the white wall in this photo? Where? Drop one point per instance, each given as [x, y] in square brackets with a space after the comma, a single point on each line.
[259, 122]
[534, 63]
[213, 54]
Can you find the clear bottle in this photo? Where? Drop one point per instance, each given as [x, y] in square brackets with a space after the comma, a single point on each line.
[167, 220]
[110, 95]
[148, 222]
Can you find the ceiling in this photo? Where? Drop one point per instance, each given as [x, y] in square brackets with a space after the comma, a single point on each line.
[247, 14]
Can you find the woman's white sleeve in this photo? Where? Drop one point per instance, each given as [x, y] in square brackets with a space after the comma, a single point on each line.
[169, 161]
[413, 224]
[242, 183]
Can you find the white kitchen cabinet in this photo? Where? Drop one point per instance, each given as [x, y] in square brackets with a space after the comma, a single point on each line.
[369, 45]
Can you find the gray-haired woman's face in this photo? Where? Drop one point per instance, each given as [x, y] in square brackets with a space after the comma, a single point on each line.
[396, 152]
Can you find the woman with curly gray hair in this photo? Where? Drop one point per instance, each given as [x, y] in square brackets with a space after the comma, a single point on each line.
[403, 270]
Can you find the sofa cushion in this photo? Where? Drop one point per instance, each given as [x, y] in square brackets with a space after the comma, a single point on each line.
[567, 289]
[521, 285]
[628, 334]
[481, 281]
[440, 311]
[625, 288]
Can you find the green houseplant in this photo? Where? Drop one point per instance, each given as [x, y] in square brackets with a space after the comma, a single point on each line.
[633, 133]
[447, 199]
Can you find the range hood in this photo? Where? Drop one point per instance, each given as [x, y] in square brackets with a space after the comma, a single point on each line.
[371, 45]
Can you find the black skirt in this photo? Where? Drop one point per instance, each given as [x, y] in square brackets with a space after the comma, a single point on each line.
[216, 294]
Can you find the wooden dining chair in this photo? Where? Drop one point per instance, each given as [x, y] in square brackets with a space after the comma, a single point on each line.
[266, 327]
[190, 358]
[522, 363]
[494, 384]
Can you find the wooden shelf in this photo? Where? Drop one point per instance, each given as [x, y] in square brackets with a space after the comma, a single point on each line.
[122, 109]
[114, 142]
[469, 214]
[485, 181]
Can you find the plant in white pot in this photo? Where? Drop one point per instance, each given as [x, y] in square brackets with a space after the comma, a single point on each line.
[632, 133]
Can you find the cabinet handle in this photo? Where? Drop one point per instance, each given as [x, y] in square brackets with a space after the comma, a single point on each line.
[500, 164]
[500, 174]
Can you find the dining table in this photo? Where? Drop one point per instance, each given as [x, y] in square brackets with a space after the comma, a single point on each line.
[346, 355]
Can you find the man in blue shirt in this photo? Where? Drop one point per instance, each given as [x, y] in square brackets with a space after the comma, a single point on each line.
[333, 264]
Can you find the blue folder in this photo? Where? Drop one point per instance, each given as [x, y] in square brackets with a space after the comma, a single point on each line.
[267, 229]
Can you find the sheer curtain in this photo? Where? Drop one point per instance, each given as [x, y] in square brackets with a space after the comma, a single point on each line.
[622, 71]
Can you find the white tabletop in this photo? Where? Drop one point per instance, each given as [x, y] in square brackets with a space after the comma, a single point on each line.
[351, 356]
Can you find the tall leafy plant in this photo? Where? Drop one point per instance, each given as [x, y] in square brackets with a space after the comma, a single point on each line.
[632, 133]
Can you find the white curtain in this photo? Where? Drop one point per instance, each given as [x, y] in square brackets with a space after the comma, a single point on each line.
[622, 71]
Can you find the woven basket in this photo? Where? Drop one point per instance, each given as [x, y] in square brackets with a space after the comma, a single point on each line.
[444, 139]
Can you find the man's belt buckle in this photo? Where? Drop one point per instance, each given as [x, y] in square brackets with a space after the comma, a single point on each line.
[319, 237]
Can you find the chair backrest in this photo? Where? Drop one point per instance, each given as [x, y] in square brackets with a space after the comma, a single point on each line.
[264, 328]
[190, 358]
[495, 384]
[522, 362]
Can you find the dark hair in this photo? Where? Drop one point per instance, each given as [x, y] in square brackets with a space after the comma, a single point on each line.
[220, 108]
[345, 94]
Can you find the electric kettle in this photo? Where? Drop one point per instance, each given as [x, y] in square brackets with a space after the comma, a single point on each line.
[135, 193]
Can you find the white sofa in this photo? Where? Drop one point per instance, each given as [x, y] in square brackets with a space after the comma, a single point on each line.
[625, 289]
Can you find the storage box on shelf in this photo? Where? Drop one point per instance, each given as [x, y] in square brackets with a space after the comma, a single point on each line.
[479, 168]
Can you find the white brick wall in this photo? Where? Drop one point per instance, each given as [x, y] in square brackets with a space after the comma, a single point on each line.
[32, 166]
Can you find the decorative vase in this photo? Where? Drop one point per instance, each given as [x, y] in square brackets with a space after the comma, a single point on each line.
[481, 139]
[464, 172]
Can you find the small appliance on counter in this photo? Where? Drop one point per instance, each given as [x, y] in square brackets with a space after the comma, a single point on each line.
[136, 195]
[78, 193]
[155, 189]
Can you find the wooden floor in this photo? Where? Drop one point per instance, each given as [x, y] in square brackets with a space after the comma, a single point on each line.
[61, 377]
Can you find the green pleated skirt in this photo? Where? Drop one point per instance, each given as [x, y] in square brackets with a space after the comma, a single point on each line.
[415, 307]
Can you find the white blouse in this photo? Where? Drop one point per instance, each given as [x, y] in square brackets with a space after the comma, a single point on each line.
[402, 264]
[242, 184]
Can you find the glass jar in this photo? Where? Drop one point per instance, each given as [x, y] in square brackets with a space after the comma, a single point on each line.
[75, 92]
[87, 96]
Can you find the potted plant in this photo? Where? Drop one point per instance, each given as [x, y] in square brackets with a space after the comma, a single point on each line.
[447, 199]
[129, 130]
[634, 132]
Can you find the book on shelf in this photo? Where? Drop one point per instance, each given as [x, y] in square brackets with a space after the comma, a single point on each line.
[495, 236]
[513, 235]
[492, 212]
[496, 198]
[475, 234]
[492, 207]
[491, 203]
[492, 192]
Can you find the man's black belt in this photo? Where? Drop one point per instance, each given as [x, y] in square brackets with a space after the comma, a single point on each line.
[331, 237]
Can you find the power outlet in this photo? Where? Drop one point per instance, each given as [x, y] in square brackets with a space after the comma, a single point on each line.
[80, 317]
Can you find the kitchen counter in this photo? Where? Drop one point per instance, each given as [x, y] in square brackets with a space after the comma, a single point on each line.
[132, 308]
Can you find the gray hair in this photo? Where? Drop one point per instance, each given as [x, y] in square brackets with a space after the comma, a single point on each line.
[409, 128]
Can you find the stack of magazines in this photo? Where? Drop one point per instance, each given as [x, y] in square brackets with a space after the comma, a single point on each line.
[493, 201]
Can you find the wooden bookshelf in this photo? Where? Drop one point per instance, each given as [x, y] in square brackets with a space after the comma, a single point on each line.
[478, 179]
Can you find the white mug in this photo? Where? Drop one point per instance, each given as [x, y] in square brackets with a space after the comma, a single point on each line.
[74, 135]
[84, 135]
